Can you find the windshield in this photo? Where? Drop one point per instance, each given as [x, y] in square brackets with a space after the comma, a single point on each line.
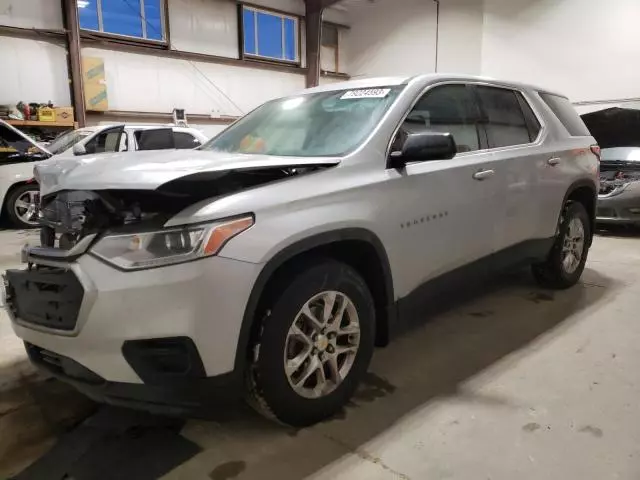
[314, 125]
[67, 140]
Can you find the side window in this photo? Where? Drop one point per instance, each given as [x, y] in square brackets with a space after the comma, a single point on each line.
[154, 139]
[565, 112]
[447, 109]
[106, 141]
[185, 140]
[503, 117]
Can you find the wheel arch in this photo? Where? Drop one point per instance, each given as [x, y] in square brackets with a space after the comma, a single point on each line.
[7, 193]
[370, 260]
[584, 191]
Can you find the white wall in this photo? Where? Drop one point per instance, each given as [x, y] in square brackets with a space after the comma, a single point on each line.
[204, 26]
[33, 71]
[388, 39]
[460, 36]
[148, 83]
[31, 13]
[587, 49]
[398, 37]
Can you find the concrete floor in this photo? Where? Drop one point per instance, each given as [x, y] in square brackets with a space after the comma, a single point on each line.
[512, 383]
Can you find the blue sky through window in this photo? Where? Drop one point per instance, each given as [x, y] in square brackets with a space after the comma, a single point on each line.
[269, 35]
[123, 17]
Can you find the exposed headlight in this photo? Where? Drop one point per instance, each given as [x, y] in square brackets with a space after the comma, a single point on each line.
[165, 247]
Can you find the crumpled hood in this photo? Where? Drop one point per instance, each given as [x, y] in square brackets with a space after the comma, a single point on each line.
[150, 169]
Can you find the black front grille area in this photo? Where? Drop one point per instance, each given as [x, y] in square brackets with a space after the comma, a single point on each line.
[49, 297]
[61, 365]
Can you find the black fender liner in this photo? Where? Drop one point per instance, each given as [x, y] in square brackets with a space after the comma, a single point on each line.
[297, 248]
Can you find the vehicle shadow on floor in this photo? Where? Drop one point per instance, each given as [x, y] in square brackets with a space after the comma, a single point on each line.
[477, 331]
[480, 331]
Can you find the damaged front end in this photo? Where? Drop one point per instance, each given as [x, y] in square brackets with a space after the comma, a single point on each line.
[613, 181]
[125, 229]
[75, 214]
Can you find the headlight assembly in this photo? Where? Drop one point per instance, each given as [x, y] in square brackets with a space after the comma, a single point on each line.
[168, 246]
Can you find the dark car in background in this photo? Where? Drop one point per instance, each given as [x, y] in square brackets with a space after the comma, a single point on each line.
[619, 196]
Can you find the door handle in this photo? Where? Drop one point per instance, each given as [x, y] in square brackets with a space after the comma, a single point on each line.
[483, 174]
[553, 161]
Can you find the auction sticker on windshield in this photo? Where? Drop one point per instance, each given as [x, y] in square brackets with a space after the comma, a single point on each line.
[366, 93]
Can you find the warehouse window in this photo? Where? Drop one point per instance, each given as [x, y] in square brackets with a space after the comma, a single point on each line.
[131, 18]
[269, 35]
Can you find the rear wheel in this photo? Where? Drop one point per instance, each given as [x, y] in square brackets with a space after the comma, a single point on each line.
[316, 344]
[567, 258]
[22, 206]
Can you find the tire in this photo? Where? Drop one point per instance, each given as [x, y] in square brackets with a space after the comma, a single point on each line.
[15, 212]
[555, 272]
[271, 391]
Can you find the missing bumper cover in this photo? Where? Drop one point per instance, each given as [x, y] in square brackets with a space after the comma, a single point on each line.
[48, 297]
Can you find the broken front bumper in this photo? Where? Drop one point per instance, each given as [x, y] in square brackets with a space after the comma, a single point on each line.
[157, 334]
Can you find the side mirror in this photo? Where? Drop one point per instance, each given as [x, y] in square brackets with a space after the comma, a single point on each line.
[78, 149]
[422, 147]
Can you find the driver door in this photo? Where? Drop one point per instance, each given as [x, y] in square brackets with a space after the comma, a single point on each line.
[448, 207]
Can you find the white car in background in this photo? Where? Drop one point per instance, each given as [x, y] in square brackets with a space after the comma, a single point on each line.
[18, 153]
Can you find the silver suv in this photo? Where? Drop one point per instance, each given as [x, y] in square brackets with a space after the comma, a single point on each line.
[270, 262]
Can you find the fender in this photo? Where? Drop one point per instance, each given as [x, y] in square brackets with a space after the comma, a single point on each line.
[298, 248]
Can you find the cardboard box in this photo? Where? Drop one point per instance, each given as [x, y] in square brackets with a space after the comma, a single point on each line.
[46, 114]
[95, 84]
[64, 114]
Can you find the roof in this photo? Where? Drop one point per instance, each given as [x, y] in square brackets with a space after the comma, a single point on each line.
[373, 82]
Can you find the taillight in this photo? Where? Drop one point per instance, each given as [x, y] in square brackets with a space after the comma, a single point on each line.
[595, 149]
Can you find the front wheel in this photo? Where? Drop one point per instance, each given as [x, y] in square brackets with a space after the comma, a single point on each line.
[22, 206]
[316, 344]
[567, 258]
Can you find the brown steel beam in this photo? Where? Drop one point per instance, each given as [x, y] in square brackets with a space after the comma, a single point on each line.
[313, 26]
[72, 27]
[319, 5]
[44, 34]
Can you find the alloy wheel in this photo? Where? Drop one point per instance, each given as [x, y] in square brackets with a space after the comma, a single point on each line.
[322, 344]
[573, 246]
[26, 207]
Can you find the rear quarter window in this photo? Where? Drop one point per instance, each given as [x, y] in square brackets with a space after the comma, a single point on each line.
[565, 112]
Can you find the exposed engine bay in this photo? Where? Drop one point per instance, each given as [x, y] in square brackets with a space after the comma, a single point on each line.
[615, 177]
[75, 214]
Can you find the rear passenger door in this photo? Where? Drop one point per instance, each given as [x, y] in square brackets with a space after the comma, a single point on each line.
[512, 128]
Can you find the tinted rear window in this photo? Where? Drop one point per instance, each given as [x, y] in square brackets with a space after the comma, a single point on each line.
[566, 114]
